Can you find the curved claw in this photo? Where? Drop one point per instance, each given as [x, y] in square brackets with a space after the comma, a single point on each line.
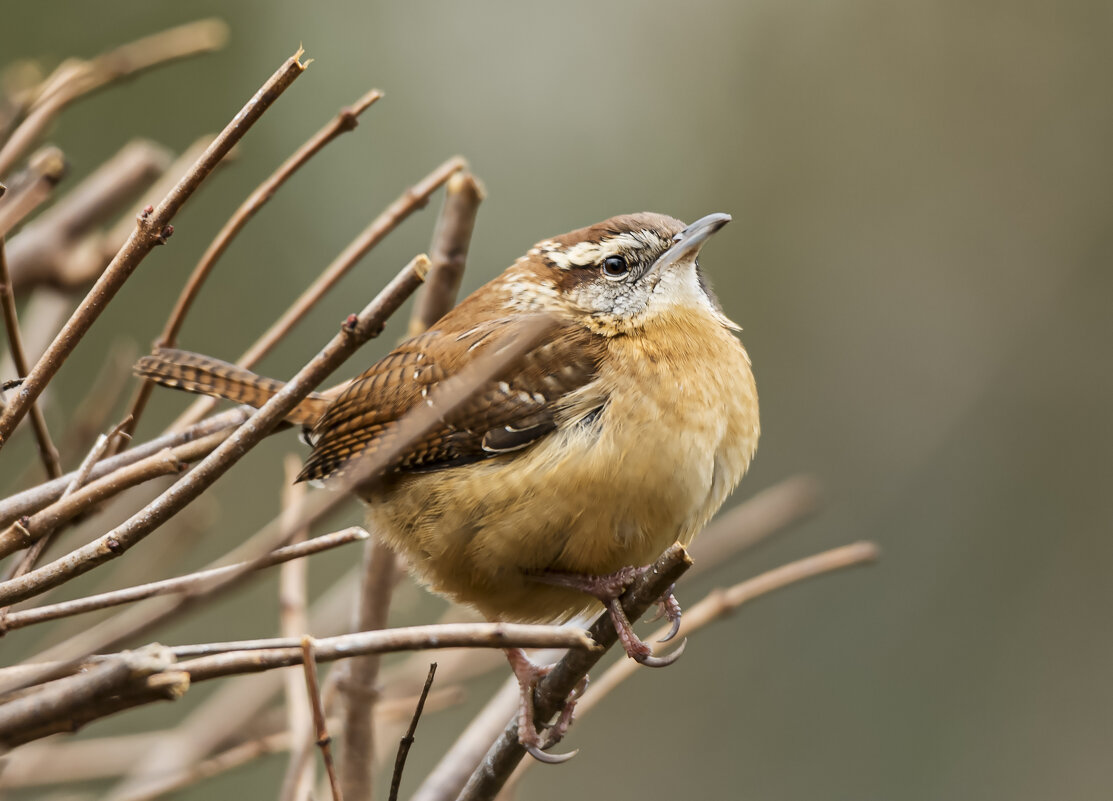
[664, 661]
[672, 631]
[549, 759]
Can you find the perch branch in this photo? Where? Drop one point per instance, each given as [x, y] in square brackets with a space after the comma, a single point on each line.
[505, 754]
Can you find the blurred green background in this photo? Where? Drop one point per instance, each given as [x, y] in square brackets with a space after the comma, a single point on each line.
[920, 258]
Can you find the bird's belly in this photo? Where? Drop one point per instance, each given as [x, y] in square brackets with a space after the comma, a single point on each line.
[588, 499]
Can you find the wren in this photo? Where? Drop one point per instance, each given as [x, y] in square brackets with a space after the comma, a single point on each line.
[622, 432]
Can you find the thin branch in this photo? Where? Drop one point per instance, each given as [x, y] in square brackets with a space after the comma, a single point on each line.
[324, 741]
[344, 646]
[31, 558]
[408, 740]
[449, 252]
[378, 576]
[151, 230]
[355, 331]
[32, 500]
[566, 675]
[47, 452]
[42, 252]
[81, 78]
[346, 120]
[189, 583]
[293, 614]
[20, 721]
[47, 167]
[410, 201]
[719, 604]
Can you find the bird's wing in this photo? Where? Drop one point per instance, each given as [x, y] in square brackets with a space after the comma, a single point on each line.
[509, 413]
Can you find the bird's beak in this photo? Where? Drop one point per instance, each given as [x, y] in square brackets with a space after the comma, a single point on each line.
[689, 241]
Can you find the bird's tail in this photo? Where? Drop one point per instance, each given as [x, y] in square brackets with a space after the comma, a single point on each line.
[205, 375]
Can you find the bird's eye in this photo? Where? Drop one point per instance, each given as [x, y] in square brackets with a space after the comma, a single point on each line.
[614, 267]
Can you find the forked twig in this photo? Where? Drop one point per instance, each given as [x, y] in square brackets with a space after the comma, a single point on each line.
[324, 741]
[408, 739]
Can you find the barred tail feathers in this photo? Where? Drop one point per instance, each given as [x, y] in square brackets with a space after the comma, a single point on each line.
[204, 375]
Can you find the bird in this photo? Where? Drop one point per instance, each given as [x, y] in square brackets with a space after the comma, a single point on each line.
[540, 498]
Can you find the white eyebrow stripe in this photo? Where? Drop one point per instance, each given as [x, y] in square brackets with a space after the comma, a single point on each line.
[586, 253]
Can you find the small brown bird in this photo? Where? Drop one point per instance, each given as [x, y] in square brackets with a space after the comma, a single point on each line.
[623, 432]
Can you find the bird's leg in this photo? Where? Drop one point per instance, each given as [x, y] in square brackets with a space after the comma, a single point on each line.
[608, 589]
[528, 674]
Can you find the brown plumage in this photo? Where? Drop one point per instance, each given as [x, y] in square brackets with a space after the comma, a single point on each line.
[624, 431]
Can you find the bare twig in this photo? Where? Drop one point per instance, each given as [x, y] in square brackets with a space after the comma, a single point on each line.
[46, 169]
[47, 452]
[378, 576]
[66, 697]
[30, 501]
[29, 530]
[294, 621]
[554, 689]
[346, 120]
[357, 330]
[151, 230]
[31, 558]
[191, 582]
[324, 741]
[410, 201]
[408, 740]
[81, 78]
[42, 252]
[449, 252]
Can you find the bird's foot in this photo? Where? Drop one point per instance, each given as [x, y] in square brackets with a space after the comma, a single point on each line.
[536, 743]
[608, 589]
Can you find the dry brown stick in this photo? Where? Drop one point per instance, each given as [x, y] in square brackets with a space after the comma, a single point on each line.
[29, 530]
[46, 168]
[152, 229]
[60, 699]
[408, 739]
[324, 741]
[449, 247]
[293, 613]
[346, 120]
[32, 500]
[47, 452]
[357, 330]
[771, 511]
[42, 251]
[410, 201]
[552, 691]
[180, 584]
[720, 603]
[81, 78]
[449, 252]
[31, 558]
[469, 635]
[345, 646]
